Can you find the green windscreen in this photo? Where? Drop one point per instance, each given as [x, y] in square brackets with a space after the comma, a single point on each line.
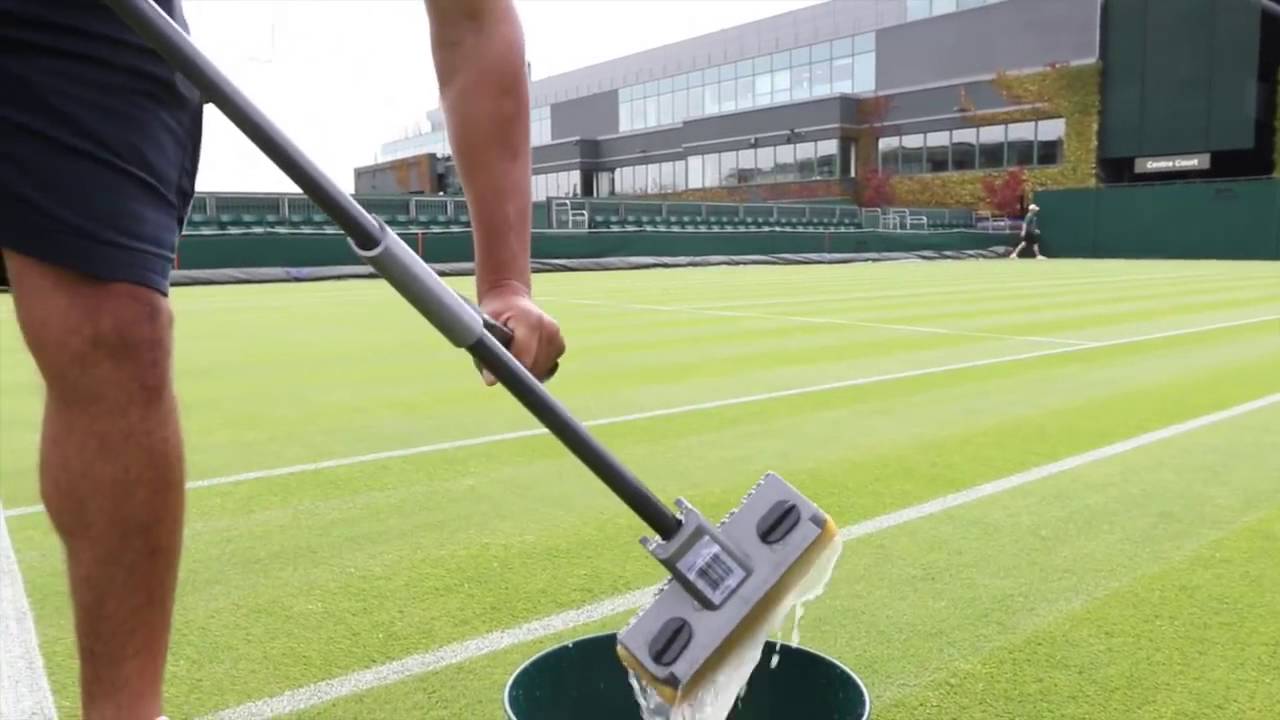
[1179, 76]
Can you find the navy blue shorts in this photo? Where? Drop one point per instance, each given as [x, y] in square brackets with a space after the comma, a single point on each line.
[101, 140]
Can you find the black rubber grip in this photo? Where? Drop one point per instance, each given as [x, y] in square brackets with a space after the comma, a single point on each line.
[503, 335]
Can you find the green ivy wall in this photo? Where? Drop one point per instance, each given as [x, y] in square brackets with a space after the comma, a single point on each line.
[1069, 92]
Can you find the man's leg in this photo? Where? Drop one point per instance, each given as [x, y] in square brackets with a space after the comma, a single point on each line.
[111, 472]
[1014, 255]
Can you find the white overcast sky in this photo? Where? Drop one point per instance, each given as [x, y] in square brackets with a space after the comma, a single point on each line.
[344, 76]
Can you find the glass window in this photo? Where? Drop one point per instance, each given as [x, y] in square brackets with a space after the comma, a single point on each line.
[912, 154]
[864, 72]
[668, 182]
[991, 146]
[680, 82]
[641, 180]
[711, 170]
[917, 9]
[866, 42]
[966, 4]
[800, 56]
[695, 172]
[937, 152]
[764, 87]
[800, 82]
[1022, 144]
[827, 150]
[889, 154]
[782, 81]
[820, 51]
[729, 168]
[781, 60]
[842, 75]
[627, 180]
[745, 94]
[964, 149]
[651, 111]
[575, 183]
[761, 65]
[666, 104]
[711, 98]
[680, 175]
[842, 47]
[784, 169]
[624, 116]
[821, 78]
[806, 165]
[727, 97]
[746, 166]
[680, 108]
[651, 88]
[744, 69]
[764, 164]
[654, 173]
[637, 114]
[1049, 134]
[665, 86]
[781, 95]
[726, 72]
[695, 102]
[942, 7]
[540, 183]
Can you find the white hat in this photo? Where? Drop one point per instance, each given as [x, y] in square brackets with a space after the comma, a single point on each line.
[1033, 207]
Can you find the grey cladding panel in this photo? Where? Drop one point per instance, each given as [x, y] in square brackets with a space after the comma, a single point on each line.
[585, 117]
[1009, 35]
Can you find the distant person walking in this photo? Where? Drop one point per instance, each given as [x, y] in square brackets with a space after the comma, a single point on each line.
[1030, 233]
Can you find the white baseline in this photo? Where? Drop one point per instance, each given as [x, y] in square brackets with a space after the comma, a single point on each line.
[461, 652]
[681, 409]
[24, 685]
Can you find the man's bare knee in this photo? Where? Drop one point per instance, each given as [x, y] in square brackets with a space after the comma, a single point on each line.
[93, 340]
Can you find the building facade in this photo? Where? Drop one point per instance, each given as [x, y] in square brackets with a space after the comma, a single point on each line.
[817, 102]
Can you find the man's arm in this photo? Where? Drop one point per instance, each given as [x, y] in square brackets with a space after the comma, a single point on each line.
[478, 47]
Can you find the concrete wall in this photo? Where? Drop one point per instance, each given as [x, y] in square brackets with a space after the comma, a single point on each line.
[415, 174]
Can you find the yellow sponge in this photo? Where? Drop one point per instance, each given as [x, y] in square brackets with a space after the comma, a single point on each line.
[813, 566]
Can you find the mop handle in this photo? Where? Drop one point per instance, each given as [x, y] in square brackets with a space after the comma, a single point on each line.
[381, 248]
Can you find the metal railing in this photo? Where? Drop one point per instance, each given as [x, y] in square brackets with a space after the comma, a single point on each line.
[575, 213]
[295, 207]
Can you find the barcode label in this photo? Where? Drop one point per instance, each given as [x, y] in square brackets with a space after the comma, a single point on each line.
[712, 570]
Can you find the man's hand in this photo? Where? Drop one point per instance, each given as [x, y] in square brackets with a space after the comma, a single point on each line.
[536, 341]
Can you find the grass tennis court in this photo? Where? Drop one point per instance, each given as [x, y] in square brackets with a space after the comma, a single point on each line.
[1138, 585]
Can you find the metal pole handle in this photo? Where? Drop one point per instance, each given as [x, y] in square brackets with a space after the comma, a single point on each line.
[381, 248]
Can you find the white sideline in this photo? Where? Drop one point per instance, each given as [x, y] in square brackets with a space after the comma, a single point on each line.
[24, 686]
[713, 404]
[461, 652]
[826, 321]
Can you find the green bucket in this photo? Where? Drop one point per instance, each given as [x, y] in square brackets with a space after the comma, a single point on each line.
[584, 680]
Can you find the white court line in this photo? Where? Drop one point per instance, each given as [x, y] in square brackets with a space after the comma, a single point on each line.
[24, 686]
[826, 321]
[993, 285]
[456, 653]
[681, 409]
